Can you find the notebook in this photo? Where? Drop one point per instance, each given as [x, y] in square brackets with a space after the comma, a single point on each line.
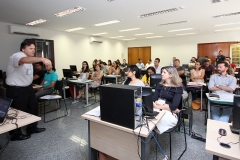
[5, 103]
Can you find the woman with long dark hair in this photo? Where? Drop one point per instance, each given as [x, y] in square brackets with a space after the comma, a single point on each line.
[84, 75]
[146, 77]
[134, 75]
[114, 69]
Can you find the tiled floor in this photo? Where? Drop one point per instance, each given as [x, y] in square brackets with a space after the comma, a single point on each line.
[66, 139]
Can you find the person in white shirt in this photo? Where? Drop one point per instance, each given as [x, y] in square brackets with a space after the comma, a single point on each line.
[149, 64]
[156, 66]
[140, 65]
[19, 88]
[172, 63]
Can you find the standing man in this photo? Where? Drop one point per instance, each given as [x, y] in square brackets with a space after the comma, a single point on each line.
[48, 83]
[222, 83]
[38, 73]
[156, 66]
[140, 65]
[19, 79]
[220, 57]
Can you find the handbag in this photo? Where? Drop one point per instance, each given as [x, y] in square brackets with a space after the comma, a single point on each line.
[196, 104]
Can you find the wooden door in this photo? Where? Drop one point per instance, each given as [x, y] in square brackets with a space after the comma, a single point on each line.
[139, 52]
[208, 49]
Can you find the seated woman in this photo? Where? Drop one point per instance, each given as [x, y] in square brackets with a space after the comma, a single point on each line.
[167, 96]
[114, 69]
[84, 75]
[96, 77]
[133, 75]
[146, 77]
[48, 82]
[197, 75]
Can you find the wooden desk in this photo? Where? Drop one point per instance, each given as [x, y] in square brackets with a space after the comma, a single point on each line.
[21, 122]
[212, 145]
[117, 141]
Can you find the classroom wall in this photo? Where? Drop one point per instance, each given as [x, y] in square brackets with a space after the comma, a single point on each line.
[182, 47]
[69, 48]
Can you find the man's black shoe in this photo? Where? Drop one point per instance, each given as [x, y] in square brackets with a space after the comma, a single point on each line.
[35, 130]
[20, 137]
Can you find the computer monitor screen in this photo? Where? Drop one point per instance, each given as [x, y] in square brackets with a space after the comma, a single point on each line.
[1, 77]
[236, 112]
[73, 68]
[155, 79]
[67, 73]
[147, 102]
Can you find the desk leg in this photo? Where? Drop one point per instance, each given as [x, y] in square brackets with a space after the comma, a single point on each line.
[116, 80]
[64, 91]
[86, 93]
[74, 101]
[209, 110]
[92, 153]
[145, 147]
[104, 81]
[201, 98]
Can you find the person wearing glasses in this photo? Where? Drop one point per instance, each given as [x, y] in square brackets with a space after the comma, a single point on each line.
[133, 75]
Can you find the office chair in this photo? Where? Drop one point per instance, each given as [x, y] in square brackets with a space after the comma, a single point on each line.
[58, 92]
[169, 131]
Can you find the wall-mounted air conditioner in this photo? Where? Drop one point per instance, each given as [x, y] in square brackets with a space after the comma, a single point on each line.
[95, 40]
[23, 30]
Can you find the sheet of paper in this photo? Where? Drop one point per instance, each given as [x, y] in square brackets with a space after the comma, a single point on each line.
[94, 112]
[226, 96]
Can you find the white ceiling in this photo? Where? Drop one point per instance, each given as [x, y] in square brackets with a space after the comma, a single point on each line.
[198, 13]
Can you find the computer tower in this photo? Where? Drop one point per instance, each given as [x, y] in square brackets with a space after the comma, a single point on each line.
[235, 127]
[121, 105]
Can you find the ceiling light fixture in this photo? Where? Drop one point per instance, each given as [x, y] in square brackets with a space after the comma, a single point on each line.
[165, 24]
[129, 39]
[117, 37]
[185, 34]
[225, 15]
[74, 29]
[216, 1]
[226, 24]
[158, 12]
[132, 29]
[184, 29]
[69, 11]
[39, 21]
[142, 34]
[155, 37]
[110, 0]
[100, 33]
[107, 23]
[226, 29]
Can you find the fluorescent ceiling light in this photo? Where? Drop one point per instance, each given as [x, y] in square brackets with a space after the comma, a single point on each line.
[184, 29]
[142, 34]
[165, 24]
[226, 29]
[154, 37]
[224, 15]
[117, 37]
[107, 23]
[226, 24]
[158, 12]
[69, 11]
[100, 33]
[132, 29]
[216, 1]
[185, 34]
[39, 21]
[74, 29]
[129, 39]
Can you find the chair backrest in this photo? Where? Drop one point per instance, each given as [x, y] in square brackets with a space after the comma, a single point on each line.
[59, 87]
[185, 66]
[0, 74]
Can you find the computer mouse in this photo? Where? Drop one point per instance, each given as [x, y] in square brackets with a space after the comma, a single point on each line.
[222, 132]
[225, 145]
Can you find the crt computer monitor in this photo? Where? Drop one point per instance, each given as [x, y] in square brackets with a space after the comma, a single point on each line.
[73, 68]
[155, 79]
[235, 115]
[147, 102]
[67, 73]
